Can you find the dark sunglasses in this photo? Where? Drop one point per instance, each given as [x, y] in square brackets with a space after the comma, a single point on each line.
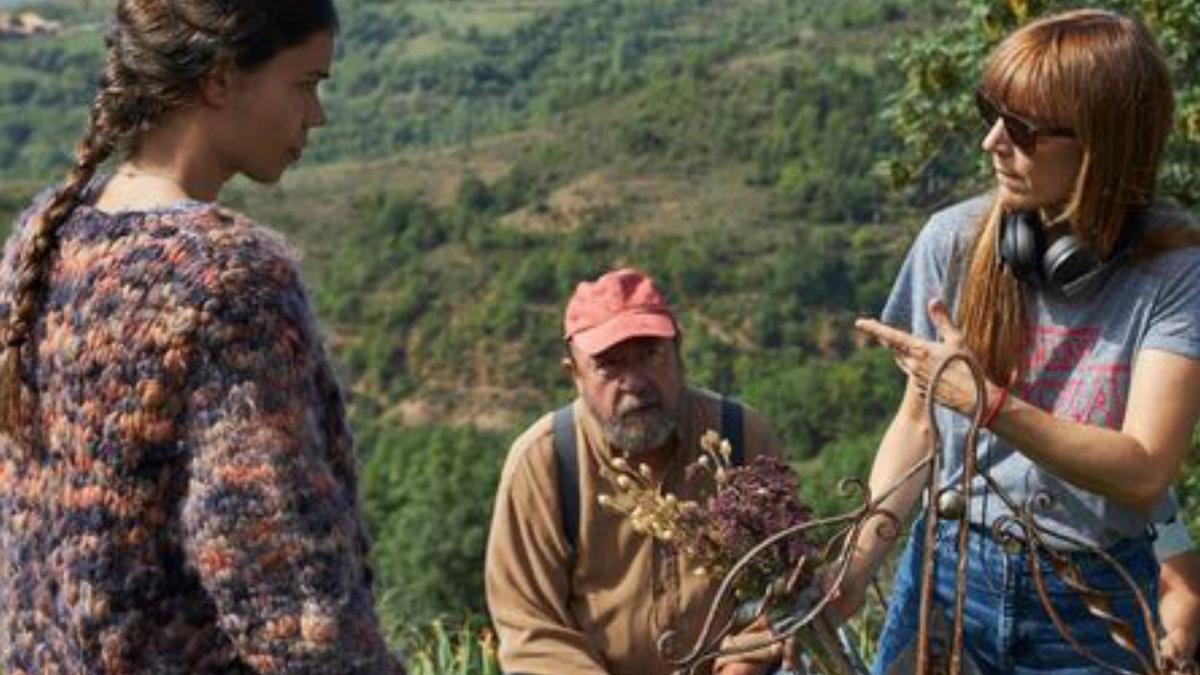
[1021, 131]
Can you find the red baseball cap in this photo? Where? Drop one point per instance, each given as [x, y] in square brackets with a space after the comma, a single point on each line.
[620, 305]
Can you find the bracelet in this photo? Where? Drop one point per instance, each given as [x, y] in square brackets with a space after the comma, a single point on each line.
[993, 410]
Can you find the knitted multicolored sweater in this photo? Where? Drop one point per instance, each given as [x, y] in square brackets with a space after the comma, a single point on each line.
[188, 503]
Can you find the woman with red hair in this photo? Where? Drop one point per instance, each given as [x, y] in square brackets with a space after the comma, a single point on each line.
[1078, 292]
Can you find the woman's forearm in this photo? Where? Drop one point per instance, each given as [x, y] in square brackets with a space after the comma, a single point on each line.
[1103, 461]
[905, 444]
[1134, 465]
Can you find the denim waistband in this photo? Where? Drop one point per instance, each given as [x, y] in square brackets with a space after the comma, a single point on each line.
[981, 536]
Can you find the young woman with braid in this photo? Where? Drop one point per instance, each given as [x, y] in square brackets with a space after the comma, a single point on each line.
[1078, 291]
[177, 483]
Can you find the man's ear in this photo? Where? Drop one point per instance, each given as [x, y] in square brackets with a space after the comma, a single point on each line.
[572, 371]
[218, 84]
[571, 368]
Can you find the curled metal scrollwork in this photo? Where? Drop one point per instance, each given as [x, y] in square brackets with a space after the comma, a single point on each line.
[797, 612]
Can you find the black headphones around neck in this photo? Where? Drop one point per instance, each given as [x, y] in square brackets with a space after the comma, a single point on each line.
[1067, 267]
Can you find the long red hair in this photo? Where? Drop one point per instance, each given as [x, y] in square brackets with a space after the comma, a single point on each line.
[1102, 75]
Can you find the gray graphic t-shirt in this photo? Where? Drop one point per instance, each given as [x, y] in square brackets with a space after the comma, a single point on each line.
[1079, 360]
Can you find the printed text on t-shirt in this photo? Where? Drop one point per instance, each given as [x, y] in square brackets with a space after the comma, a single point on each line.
[1065, 379]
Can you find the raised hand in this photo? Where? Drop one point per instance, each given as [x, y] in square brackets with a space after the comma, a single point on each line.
[919, 358]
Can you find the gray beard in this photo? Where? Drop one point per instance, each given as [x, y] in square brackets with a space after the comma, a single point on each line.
[640, 433]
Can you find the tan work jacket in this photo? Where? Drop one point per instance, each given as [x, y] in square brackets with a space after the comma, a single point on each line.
[603, 612]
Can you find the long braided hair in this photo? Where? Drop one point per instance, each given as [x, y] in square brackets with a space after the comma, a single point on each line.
[158, 53]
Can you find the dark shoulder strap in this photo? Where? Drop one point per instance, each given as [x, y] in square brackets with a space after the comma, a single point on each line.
[731, 429]
[567, 456]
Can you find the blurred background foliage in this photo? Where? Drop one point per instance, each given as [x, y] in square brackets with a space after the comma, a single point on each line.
[767, 160]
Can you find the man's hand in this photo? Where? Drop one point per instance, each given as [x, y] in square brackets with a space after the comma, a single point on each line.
[757, 662]
[758, 667]
[743, 668]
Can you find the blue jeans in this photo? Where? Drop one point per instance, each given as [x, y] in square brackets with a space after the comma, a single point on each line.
[1005, 628]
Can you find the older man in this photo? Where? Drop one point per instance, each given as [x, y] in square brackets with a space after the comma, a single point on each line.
[571, 587]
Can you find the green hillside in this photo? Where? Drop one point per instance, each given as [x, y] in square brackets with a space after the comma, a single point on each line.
[714, 143]
[483, 156]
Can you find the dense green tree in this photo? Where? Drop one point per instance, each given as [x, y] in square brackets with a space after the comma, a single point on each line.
[427, 493]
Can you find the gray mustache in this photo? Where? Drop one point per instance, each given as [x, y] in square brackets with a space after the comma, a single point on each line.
[629, 406]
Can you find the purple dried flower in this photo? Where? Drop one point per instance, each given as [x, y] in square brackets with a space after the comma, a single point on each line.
[748, 504]
[757, 501]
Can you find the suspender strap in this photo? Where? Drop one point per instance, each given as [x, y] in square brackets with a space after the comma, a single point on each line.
[731, 428]
[567, 456]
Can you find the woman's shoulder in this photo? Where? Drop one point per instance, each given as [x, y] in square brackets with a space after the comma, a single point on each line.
[238, 272]
[1170, 237]
[1167, 214]
[22, 225]
[961, 217]
[184, 231]
[200, 254]
[948, 232]
[225, 248]
[229, 234]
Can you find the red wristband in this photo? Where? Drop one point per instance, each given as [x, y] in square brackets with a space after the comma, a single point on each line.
[993, 410]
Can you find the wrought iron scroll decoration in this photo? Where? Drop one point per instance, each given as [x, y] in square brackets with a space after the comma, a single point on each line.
[1019, 527]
